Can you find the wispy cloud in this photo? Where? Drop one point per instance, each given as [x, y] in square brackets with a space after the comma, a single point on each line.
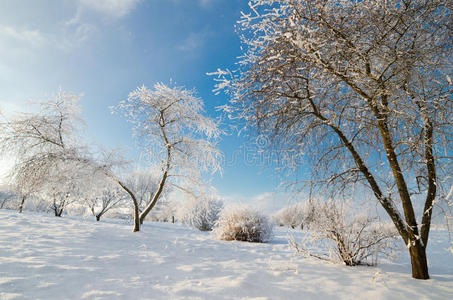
[205, 3]
[84, 25]
[82, 33]
[112, 8]
[19, 46]
[31, 37]
[194, 41]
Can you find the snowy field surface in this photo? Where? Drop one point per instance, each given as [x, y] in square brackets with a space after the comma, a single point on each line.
[44, 257]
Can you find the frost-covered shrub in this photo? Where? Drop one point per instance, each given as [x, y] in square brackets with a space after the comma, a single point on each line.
[345, 236]
[8, 199]
[201, 213]
[164, 211]
[242, 223]
[292, 216]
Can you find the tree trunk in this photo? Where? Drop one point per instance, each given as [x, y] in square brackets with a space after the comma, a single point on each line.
[21, 206]
[155, 198]
[418, 261]
[408, 229]
[98, 217]
[58, 212]
[417, 251]
[136, 218]
[134, 201]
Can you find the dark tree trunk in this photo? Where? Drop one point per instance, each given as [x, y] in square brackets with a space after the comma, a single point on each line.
[418, 261]
[417, 250]
[21, 206]
[98, 217]
[136, 219]
[58, 212]
[134, 201]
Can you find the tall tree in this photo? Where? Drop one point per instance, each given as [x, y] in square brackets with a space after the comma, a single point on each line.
[44, 143]
[363, 88]
[175, 135]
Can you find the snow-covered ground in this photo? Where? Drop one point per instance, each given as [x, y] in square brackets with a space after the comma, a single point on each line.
[43, 257]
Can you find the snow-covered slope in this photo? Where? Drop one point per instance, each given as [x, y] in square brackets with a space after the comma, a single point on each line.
[43, 257]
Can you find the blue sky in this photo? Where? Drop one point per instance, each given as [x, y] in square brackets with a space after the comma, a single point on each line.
[106, 48]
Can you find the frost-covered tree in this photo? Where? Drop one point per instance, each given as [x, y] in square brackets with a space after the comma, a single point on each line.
[200, 212]
[44, 143]
[103, 196]
[65, 184]
[364, 89]
[292, 216]
[143, 183]
[175, 135]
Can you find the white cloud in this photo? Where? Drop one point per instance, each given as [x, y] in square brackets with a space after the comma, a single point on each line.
[111, 8]
[84, 32]
[32, 37]
[16, 42]
[83, 26]
[18, 47]
[193, 42]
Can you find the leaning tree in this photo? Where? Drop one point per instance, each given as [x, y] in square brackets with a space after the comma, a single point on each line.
[364, 89]
[176, 138]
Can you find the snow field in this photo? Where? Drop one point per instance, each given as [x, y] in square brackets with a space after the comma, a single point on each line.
[44, 257]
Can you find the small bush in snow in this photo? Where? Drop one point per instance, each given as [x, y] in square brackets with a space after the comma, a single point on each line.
[201, 213]
[353, 239]
[242, 223]
[297, 215]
